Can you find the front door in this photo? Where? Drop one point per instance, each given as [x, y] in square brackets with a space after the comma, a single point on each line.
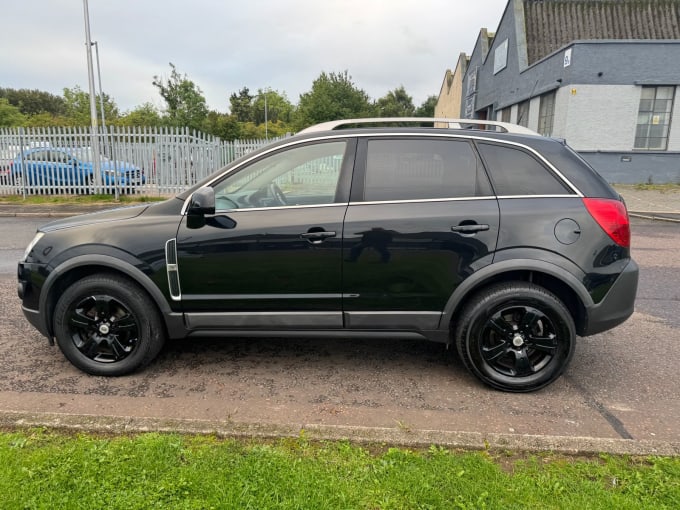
[270, 257]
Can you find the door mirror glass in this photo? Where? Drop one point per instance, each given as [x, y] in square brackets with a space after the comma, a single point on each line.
[202, 202]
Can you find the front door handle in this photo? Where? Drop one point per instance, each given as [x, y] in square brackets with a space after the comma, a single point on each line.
[317, 237]
[470, 229]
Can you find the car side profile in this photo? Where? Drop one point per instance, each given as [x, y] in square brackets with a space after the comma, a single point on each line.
[503, 243]
[46, 169]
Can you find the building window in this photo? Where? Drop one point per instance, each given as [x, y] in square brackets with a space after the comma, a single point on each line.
[546, 114]
[523, 113]
[654, 118]
[505, 114]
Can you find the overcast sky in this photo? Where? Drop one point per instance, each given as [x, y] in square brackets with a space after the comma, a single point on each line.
[224, 45]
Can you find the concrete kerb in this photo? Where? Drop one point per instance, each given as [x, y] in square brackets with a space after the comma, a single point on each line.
[405, 437]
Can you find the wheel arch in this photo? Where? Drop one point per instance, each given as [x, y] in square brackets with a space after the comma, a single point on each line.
[558, 280]
[85, 265]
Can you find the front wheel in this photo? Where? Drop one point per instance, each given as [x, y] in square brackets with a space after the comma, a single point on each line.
[106, 325]
[516, 337]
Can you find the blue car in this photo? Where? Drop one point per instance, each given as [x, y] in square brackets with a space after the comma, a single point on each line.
[66, 170]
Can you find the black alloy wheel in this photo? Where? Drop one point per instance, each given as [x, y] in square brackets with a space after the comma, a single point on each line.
[106, 325]
[516, 337]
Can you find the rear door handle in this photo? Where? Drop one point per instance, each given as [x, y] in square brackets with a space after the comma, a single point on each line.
[470, 229]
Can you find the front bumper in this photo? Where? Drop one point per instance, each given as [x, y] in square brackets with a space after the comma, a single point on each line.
[617, 305]
[30, 295]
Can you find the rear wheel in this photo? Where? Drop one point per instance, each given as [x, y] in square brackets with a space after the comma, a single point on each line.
[106, 325]
[516, 337]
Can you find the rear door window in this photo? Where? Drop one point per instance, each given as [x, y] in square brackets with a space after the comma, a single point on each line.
[421, 169]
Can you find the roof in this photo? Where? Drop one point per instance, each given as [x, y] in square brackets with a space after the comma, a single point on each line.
[552, 24]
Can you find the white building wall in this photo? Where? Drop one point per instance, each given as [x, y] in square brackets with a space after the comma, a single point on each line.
[534, 110]
[674, 135]
[598, 117]
[561, 113]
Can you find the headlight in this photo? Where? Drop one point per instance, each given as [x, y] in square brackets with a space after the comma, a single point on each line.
[30, 246]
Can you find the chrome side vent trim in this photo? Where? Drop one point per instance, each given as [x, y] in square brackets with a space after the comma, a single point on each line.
[173, 270]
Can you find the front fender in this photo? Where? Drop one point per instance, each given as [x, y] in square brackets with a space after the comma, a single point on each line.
[105, 261]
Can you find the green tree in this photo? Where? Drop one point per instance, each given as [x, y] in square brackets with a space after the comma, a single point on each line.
[279, 108]
[241, 105]
[396, 103]
[144, 115]
[222, 125]
[77, 107]
[47, 120]
[427, 108]
[333, 96]
[33, 102]
[186, 105]
[10, 116]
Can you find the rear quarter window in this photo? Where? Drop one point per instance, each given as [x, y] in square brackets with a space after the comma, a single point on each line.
[515, 172]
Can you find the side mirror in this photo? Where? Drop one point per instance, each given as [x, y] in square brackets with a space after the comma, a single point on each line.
[202, 202]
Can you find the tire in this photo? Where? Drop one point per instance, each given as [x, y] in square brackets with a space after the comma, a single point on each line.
[106, 325]
[516, 337]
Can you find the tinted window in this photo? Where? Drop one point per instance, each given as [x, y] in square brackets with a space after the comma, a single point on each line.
[302, 175]
[515, 172]
[38, 156]
[417, 169]
[58, 157]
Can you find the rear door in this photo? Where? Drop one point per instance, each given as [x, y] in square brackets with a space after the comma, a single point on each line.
[422, 217]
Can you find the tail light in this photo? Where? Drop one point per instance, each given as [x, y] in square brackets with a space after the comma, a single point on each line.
[612, 216]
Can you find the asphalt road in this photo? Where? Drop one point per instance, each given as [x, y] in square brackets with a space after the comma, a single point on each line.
[621, 385]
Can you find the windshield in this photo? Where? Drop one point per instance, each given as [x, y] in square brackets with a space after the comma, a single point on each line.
[85, 154]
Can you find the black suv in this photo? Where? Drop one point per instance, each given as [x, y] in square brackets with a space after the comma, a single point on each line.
[504, 243]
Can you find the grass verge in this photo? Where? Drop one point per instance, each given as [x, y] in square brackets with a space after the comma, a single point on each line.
[45, 469]
[77, 199]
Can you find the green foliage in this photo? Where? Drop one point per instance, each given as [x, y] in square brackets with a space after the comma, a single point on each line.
[279, 108]
[186, 105]
[241, 105]
[47, 120]
[144, 115]
[333, 96]
[397, 103]
[34, 102]
[77, 107]
[427, 108]
[222, 125]
[39, 469]
[10, 116]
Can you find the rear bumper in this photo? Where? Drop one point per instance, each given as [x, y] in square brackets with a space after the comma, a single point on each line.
[617, 305]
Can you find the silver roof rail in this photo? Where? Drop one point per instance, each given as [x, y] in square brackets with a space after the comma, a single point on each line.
[450, 123]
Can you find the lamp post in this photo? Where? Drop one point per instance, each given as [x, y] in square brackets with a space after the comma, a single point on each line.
[266, 127]
[99, 77]
[266, 133]
[104, 131]
[93, 105]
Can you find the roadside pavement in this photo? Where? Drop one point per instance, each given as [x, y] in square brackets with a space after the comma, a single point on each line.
[657, 204]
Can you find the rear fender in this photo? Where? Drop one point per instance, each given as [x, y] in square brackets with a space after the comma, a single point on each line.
[548, 263]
